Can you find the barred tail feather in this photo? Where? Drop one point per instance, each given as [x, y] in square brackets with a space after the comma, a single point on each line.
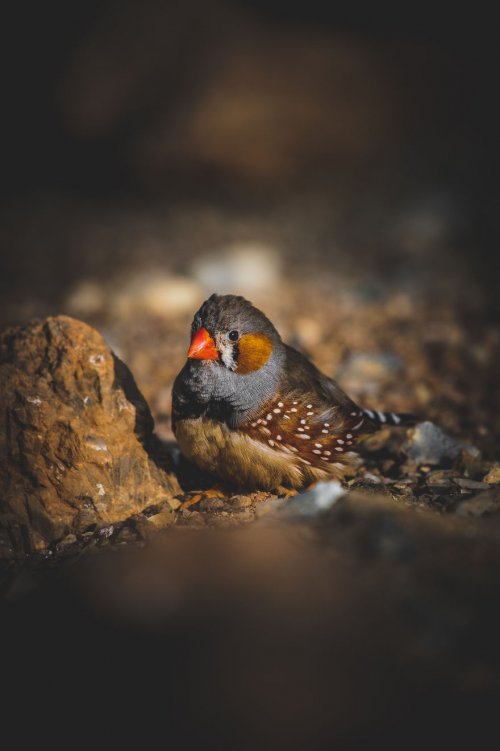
[390, 418]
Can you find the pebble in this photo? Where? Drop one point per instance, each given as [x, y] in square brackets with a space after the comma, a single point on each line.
[240, 501]
[164, 519]
[485, 503]
[106, 532]
[467, 484]
[441, 478]
[196, 519]
[493, 476]
[239, 268]
[156, 293]
[315, 501]
[174, 503]
[266, 507]
[429, 445]
[66, 542]
[471, 460]
[126, 534]
[212, 504]
[86, 299]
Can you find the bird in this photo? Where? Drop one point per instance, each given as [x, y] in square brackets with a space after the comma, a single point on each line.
[256, 413]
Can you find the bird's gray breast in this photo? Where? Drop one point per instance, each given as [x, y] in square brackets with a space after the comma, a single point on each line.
[209, 389]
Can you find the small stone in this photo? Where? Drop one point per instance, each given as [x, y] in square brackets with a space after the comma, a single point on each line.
[87, 298]
[467, 484]
[261, 495]
[164, 519]
[270, 506]
[485, 503]
[470, 461]
[493, 476]
[106, 532]
[371, 478]
[242, 267]
[440, 478]
[317, 500]
[428, 444]
[212, 504]
[127, 534]
[241, 501]
[174, 503]
[246, 515]
[157, 294]
[196, 519]
[66, 542]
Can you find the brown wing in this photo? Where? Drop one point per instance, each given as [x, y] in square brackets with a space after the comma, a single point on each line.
[311, 417]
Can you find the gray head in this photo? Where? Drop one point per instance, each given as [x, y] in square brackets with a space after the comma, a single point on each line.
[234, 359]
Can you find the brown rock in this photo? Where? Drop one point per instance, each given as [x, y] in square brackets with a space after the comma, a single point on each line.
[493, 476]
[163, 519]
[77, 446]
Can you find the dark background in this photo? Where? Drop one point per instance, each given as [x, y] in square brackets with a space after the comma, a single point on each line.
[376, 112]
[360, 145]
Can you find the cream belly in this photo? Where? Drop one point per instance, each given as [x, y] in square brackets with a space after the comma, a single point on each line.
[242, 461]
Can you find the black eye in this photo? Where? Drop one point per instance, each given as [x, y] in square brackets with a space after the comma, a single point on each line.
[234, 335]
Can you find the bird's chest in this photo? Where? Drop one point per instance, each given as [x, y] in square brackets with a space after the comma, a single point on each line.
[290, 445]
[235, 456]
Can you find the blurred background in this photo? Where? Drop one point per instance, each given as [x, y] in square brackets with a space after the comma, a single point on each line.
[336, 164]
[141, 136]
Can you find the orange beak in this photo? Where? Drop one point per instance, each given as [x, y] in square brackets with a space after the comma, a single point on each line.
[202, 346]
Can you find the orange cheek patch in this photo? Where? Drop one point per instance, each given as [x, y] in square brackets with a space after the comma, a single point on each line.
[254, 352]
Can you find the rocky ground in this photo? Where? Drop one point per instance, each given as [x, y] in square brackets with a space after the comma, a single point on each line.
[381, 594]
[412, 349]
